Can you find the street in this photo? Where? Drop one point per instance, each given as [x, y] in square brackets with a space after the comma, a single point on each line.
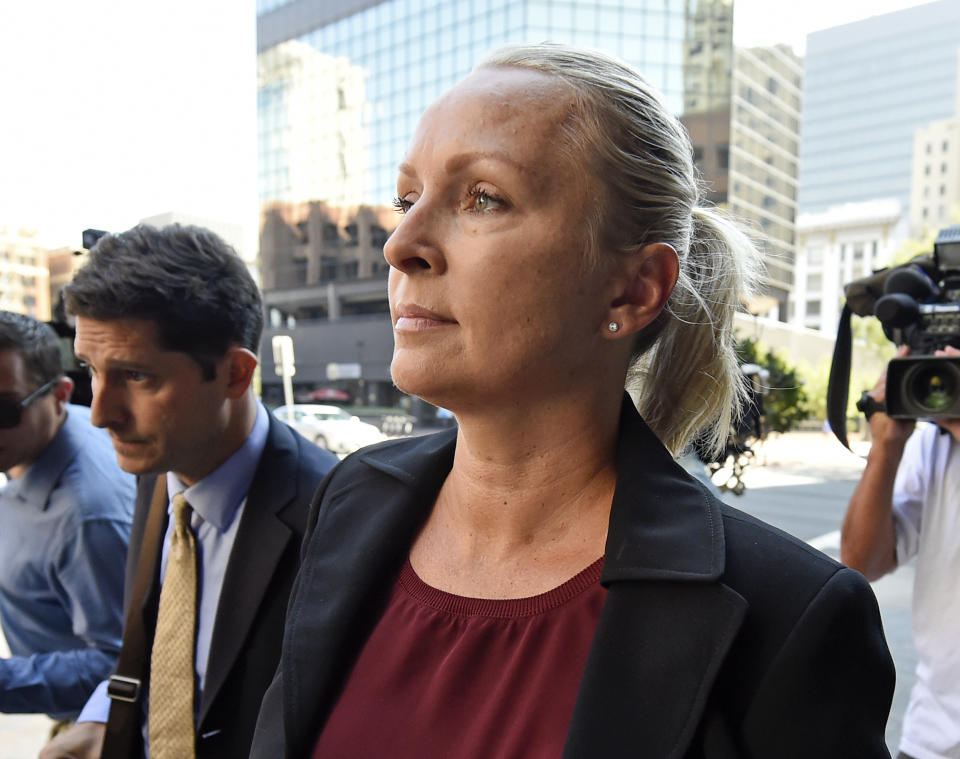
[799, 482]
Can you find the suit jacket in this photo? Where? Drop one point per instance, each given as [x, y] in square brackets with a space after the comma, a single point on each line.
[720, 636]
[247, 632]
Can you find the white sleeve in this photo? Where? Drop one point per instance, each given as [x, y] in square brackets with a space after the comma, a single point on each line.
[910, 491]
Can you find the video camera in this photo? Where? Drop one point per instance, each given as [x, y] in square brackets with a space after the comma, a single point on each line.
[918, 304]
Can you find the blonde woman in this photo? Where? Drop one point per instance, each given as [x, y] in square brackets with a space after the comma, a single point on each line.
[545, 580]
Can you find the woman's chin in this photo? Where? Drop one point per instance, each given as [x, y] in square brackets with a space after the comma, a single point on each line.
[429, 383]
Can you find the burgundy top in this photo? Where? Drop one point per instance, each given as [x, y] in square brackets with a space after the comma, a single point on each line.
[447, 676]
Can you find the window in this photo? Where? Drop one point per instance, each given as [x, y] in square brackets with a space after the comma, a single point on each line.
[723, 156]
[351, 231]
[926, 170]
[943, 168]
[814, 282]
[378, 236]
[943, 189]
[813, 308]
[946, 146]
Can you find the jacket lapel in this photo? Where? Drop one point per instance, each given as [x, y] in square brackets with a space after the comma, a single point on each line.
[667, 622]
[362, 537]
[655, 655]
[262, 537]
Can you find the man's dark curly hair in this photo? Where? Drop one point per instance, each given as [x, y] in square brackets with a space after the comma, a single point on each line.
[184, 279]
[36, 342]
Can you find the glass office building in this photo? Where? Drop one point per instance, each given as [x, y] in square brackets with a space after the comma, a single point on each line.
[867, 87]
[343, 84]
[341, 87]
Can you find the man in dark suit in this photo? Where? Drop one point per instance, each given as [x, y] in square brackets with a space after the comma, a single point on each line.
[168, 322]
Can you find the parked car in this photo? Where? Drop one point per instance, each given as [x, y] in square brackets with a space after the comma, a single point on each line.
[392, 422]
[329, 427]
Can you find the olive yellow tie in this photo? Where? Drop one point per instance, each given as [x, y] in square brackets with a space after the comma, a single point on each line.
[171, 661]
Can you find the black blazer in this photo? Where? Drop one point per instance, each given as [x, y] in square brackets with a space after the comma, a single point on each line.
[248, 628]
[720, 636]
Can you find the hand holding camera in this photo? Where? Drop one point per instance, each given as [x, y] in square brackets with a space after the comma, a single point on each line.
[920, 308]
[918, 305]
[884, 429]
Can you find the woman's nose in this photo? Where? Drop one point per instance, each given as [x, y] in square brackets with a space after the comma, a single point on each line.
[415, 245]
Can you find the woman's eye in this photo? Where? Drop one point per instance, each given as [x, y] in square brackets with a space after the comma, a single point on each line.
[402, 204]
[484, 201]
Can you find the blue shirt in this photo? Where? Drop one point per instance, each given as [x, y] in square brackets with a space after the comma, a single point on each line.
[64, 528]
[218, 501]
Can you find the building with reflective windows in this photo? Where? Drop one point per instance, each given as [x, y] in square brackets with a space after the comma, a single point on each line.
[342, 85]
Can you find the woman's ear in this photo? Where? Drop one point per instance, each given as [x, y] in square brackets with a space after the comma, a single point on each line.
[648, 281]
[241, 365]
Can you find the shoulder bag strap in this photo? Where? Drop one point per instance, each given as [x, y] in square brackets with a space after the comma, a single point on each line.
[128, 686]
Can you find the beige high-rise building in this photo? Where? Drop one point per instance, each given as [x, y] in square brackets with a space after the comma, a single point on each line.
[763, 162]
[24, 277]
[935, 183]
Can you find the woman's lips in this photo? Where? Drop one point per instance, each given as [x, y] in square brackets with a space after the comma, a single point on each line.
[412, 318]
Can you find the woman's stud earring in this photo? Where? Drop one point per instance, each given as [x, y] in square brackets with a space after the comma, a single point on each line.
[613, 326]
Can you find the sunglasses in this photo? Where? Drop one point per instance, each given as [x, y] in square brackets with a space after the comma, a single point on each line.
[12, 411]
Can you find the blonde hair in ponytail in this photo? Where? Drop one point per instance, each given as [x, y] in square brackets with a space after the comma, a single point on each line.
[689, 380]
[684, 376]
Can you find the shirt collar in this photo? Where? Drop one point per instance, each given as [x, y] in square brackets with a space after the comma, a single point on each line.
[217, 496]
[42, 476]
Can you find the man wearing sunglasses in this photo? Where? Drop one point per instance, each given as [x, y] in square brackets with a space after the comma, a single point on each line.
[65, 516]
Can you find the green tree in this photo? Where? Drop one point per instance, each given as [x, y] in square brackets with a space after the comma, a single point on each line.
[786, 403]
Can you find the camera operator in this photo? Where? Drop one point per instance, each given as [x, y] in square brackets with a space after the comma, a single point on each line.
[906, 505]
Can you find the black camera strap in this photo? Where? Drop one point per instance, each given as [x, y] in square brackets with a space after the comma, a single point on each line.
[838, 387]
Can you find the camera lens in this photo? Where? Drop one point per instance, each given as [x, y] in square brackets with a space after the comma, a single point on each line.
[933, 386]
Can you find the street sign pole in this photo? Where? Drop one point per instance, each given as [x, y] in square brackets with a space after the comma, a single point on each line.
[284, 366]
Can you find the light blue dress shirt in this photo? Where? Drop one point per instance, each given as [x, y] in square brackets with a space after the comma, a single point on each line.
[64, 527]
[218, 501]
